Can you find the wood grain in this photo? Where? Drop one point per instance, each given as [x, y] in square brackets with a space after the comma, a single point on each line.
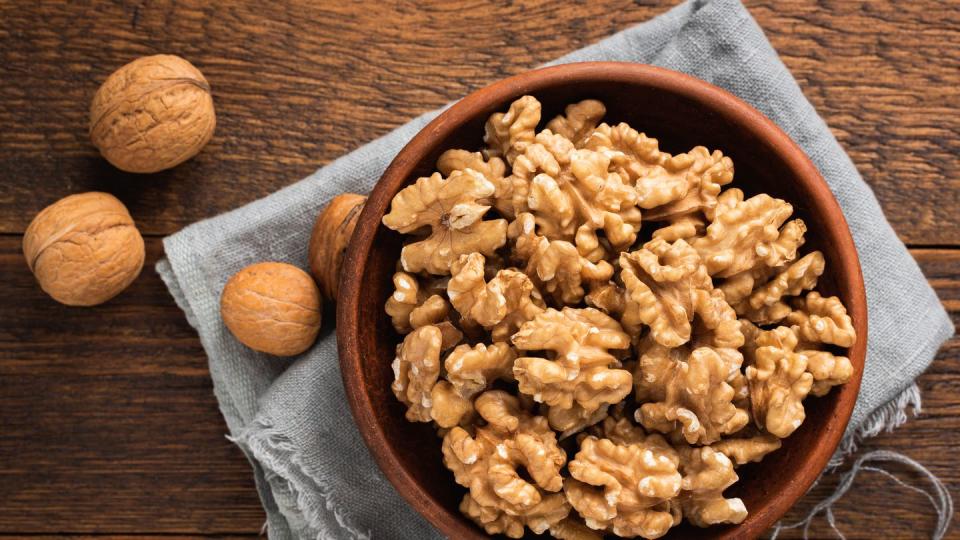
[299, 84]
[109, 420]
[109, 424]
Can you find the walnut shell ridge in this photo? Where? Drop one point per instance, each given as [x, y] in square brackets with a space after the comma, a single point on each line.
[272, 307]
[152, 114]
[84, 249]
[329, 240]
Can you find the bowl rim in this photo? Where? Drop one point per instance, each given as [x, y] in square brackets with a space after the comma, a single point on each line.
[502, 92]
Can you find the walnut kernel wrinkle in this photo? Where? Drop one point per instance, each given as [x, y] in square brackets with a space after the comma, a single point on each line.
[272, 307]
[450, 208]
[152, 114]
[84, 249]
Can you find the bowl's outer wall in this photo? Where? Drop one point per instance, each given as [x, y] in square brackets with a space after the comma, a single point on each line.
[681, 113]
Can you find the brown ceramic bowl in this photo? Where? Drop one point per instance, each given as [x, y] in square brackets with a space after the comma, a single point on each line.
[681, 112]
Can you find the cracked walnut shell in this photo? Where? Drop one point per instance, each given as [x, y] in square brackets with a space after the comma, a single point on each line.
[84, 249]
[272, 307]
[152, 114]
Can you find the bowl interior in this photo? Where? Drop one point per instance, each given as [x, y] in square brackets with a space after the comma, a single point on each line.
[680, 120]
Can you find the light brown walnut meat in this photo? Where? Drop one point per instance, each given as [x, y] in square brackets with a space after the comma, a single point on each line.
[449, 207]
[493, 169]
[556, 266]
[578, 120]
[828, 370]
[448, 407]
[667, 186]
[574, 529]
[578, 382]
[489, 462]
[472, 369]
[573, 195]
[683, 227]
[410, 307]
[778, 381]
[152, 114]
[744, 449]
[688, 395]
[508, 134]
[748, 234]
[84, 249]
[416, 369]
[659, 279]
[823, 320]
[624, 488]
[500, 305]
[706, 474]
[765, 304]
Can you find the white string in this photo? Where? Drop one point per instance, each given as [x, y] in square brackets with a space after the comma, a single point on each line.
[939, 496]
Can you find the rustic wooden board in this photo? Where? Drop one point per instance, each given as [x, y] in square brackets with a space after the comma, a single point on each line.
[298, 85]
[109, 424]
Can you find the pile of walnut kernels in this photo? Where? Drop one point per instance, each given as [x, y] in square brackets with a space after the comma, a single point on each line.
[583, 381]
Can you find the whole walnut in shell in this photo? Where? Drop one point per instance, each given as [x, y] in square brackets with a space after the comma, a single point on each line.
[272, 307]
[329, 240]
[84, 249]
[152, 114]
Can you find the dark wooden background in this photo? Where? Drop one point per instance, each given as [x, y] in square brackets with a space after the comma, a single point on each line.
[108, 423]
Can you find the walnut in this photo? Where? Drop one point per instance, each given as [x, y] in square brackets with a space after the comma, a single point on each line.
[658, 279]
[573, 529]
[493, 169]
[778, 381]
[683, 227]
[489, 464]
[84, 249]
[828, 370]
[152, 114]
[415, 371]
[572, 195]
[472, 369]
[556, 266]
[687, 395]
[272, 307]
[706, 473]
[766, 306]
[668, 186]
[578, 382]
[624, 488]
[749, 233]
[329, 240]
[500, 305]
[449, 408]
[449, 208]
[508, 134]
[746, 449]
[822, 319]
[578, 121]
[609, 298]
[412, 306]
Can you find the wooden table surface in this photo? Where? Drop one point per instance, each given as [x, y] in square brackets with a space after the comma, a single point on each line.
[108, 423]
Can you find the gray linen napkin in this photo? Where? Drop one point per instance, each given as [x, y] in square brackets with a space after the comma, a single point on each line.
[316, 477]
